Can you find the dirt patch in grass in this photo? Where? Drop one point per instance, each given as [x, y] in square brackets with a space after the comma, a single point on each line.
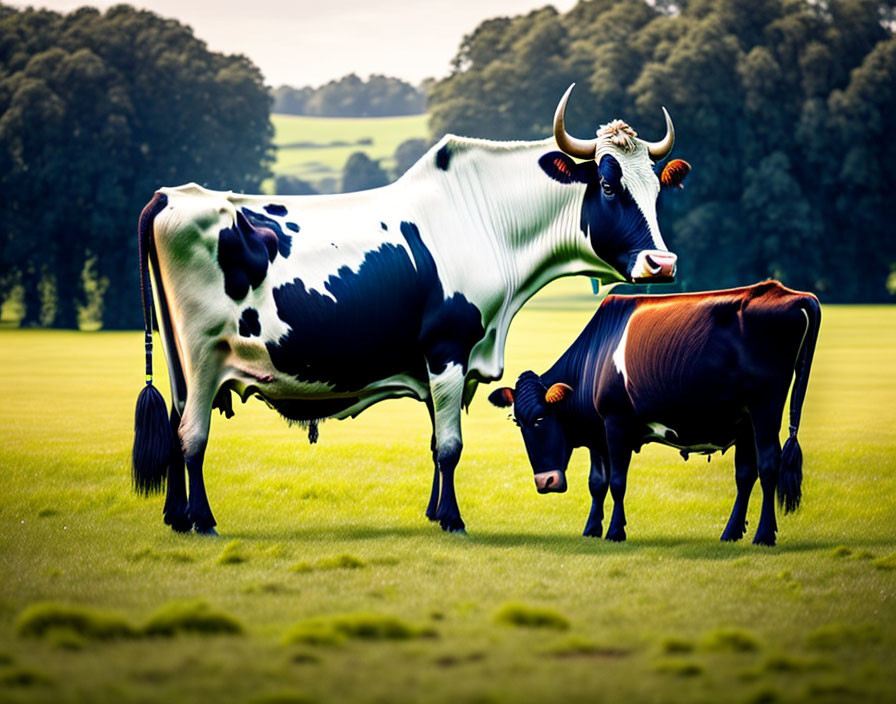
[195, 617]
[42, 620]
[525, 616]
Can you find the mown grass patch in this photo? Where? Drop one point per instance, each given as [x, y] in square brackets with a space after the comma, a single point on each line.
[579, 646]
[234, 553]
[888, 562]
[337, 628]
[194, 617]
[796, 663]
[24, 677]
[42, 620]
[674, 645]
[339, 562]
[730, 640]
[525, 616]
[679, 667]
[835, 636]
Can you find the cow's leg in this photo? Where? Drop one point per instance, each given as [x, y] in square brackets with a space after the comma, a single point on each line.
[598, 483]
[176, 510]
[446, 390]
[193, 432]
[620, 452]
[433, 506]
[766, 424]
[745, 475]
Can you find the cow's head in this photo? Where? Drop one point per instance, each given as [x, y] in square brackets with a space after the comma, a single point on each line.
[619, 208]
[535, 411]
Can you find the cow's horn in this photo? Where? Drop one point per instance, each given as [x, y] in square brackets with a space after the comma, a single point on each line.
[660, 150]
[579, 148]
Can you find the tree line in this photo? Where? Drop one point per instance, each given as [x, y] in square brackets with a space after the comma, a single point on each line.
[97, 110]
[784, 108]
[351, 96]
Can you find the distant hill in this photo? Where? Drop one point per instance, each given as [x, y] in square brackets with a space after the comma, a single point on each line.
[351, 96]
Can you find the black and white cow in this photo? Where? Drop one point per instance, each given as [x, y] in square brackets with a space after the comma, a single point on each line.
[324, 305]
[700, 372]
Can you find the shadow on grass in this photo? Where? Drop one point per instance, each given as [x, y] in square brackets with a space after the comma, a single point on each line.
[696, 548]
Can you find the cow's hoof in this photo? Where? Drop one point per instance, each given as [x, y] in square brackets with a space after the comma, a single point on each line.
[732, 536]
[767, 540]
[210, 531]
[179, 524]
[432, 515]
[616, 536]
[593, 531]
[453, 525]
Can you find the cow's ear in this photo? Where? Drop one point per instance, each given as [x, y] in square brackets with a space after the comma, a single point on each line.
[560, 167]
[557, 393]
[502, 398]
[674, 173]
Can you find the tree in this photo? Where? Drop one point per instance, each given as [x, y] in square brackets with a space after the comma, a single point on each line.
[293, 186]
[407, 153]
[98, 110]
[361, 172]
[783, 107]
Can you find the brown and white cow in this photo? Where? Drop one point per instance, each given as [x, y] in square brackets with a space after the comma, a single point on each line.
[699, 372]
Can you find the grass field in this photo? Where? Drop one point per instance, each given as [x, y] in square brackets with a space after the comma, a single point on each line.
[342, 592]
[303, 142]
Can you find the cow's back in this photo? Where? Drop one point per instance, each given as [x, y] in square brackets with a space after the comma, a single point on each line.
[703, 357]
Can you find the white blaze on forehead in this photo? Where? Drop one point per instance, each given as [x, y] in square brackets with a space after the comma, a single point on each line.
[638, 179]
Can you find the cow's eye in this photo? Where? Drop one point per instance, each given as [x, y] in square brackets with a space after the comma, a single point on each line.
[607, 189]
[537, 422]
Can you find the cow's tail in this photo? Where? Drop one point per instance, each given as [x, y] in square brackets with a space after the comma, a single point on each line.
[790, 478]
[152, 431]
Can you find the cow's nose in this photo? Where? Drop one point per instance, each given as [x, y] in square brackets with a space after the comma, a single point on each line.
[550, 482]
[654, 266]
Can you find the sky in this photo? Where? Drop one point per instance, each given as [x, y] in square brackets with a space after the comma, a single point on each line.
[309, 42]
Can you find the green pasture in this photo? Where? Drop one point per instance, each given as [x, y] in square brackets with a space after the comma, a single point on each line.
[316, 148]
[327, 584]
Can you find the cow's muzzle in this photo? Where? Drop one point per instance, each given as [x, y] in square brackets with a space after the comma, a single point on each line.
[551, 482]
[654, 266]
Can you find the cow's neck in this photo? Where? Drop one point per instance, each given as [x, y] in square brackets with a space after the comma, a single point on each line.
[533, 224]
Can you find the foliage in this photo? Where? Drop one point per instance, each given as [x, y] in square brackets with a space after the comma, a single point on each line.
[97, 110]
[784, 108]
[407, 153]
[292, 186]
[350, 96]
[361, 172]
